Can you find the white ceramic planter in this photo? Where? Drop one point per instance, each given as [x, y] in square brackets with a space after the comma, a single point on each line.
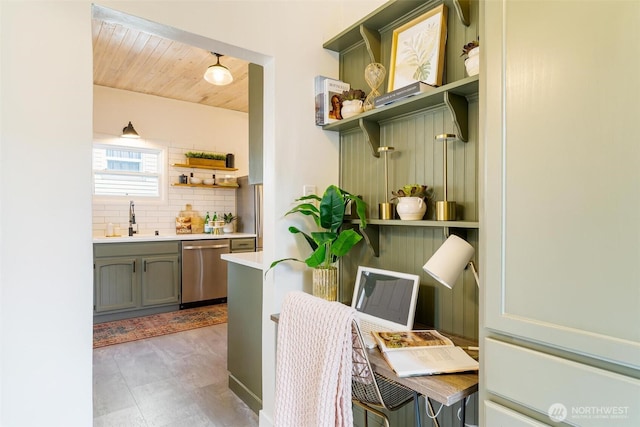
[351, 108]
[472, 63]
[411, 208]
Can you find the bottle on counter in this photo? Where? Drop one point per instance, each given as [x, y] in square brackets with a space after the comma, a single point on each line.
[207, 227]
[215, 216]
[214, 179]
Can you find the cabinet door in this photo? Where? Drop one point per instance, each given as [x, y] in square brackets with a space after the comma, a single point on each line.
[160, 280]
[255, 123]
[116, 284]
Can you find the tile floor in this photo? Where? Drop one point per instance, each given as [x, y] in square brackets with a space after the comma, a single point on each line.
[173, 380]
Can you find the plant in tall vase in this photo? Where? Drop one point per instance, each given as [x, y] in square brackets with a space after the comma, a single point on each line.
[331, 240]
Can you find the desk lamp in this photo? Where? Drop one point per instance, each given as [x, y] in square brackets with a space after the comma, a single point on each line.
[449, 260]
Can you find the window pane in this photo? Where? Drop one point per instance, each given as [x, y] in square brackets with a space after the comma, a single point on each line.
[126, 171]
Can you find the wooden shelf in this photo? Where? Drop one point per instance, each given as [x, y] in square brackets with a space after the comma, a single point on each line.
[227, 187]
[181, 165]
[453, 95]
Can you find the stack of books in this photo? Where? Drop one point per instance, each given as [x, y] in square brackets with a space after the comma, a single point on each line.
[327, 93]
[402, 93]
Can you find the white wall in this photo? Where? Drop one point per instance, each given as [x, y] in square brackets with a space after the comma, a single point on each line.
[177, 127]
[45, 223]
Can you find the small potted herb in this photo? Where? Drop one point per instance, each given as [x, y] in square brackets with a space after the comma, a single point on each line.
[352, 102]
[411, 201]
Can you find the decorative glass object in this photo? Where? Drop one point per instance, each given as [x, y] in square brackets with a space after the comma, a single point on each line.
[374, 74]
[325, 283]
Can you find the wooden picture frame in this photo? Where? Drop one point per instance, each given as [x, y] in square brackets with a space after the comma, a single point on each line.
[417, 50]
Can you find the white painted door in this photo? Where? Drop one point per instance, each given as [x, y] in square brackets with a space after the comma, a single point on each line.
[560, 267]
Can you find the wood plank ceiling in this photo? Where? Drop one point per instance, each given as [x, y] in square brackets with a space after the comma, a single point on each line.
[130, 59]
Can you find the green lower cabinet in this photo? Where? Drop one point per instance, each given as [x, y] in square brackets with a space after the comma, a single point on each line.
[116, 284]
[135, 279]
[160, 280]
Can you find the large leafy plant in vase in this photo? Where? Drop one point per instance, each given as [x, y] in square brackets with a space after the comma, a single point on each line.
[331, 240]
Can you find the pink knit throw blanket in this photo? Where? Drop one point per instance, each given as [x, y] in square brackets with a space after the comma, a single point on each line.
[313, 363]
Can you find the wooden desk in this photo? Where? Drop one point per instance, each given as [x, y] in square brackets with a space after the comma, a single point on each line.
[443, 388]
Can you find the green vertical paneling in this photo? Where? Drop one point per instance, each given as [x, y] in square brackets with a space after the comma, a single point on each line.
[417, 159]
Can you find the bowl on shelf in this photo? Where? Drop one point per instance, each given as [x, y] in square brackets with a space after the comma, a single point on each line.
[208, 181]
[194, 180]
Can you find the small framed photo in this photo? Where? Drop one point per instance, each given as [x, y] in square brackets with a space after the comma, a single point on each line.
[417, 50]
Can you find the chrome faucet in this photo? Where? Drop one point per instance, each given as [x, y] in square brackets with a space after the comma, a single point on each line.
[132, 219]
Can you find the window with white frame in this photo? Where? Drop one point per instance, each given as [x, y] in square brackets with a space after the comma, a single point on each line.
[127, 171]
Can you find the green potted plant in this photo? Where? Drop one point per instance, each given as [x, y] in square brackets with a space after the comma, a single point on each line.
[411, 201]
[228, 222]
[330, 241]
[352, 102]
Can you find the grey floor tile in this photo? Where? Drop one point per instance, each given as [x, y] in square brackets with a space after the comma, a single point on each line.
[172, 381]
[129, 417]
[143, 369]
[110, 393]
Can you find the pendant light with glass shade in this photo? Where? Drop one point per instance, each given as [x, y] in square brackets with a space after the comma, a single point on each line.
[218, 74]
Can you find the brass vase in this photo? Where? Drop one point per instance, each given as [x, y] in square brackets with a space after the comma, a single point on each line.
[325, 283]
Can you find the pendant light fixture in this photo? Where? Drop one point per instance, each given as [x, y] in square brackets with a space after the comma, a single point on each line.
[129, 132]
[218, 74]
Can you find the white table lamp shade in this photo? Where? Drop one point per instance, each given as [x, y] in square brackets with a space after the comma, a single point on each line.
[449, 260]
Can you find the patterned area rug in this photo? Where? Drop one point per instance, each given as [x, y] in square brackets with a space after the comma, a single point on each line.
[126, 330]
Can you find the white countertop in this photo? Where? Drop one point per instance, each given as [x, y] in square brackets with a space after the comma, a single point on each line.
[248, 259]
[167, 237]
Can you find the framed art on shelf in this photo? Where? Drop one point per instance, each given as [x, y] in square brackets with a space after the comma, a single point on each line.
[417, 50]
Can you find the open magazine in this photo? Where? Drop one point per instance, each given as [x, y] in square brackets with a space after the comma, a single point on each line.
[426, 352]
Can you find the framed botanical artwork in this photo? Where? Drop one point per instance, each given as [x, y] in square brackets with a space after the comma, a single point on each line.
[417, 50]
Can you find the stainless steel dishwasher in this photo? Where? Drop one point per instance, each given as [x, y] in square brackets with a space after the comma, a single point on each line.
[204, 274]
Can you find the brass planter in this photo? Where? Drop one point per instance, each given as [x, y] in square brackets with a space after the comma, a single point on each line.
[325, 283]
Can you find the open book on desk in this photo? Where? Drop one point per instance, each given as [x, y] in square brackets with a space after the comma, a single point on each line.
[428, 352]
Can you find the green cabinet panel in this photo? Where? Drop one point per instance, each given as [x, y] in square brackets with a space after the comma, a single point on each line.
[116, 284]
[244, 332]
[256, 123]
[160, 280]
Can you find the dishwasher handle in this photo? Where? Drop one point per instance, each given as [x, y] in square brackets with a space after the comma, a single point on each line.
[205, 247]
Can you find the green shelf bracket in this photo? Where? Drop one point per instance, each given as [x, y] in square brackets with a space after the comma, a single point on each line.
[459, 108]
[372, 134]
[462, 7]
[371, 235]
[372, 41]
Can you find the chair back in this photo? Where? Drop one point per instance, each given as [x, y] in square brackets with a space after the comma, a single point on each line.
[370, 388]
